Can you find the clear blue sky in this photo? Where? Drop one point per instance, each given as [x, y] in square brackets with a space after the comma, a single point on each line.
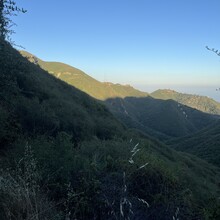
[138, 42]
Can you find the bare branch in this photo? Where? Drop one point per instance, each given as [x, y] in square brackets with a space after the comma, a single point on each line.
[217, 52]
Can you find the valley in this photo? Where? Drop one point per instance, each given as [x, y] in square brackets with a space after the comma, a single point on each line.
[164, 114]
[64, 145]
[105, 110]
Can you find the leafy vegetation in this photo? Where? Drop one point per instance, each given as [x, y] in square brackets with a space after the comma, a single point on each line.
[8, 8]
[204, 144]
[64, 156]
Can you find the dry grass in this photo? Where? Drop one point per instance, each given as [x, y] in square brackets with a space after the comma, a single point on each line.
[21, 195]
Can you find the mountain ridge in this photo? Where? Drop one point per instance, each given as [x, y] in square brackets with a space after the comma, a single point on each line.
[171, 119]
[105, 90]
[84, 82]
[202, 103]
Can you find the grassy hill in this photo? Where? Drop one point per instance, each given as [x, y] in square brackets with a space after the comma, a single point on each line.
[204, 144]
[84, 82]
[64, 156]
[163, 119]
[103, 91]
[201, 103]
[155, 117]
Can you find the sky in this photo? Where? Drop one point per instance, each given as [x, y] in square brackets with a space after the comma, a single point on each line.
[148, 44]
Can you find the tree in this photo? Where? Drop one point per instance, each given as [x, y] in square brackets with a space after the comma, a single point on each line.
[8, 8]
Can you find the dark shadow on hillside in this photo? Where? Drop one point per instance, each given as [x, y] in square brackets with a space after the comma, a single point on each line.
[204, 143]
[155, 117]
[34, 102]
[163, 119]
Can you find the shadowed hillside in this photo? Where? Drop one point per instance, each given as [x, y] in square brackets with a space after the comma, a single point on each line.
[160, 118]
[204, 144]
[103, 91]
[64, 156]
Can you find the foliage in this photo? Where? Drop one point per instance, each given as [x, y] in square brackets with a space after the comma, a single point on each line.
[21, 194]
[8, 8]
[38, 103]
[204, 144]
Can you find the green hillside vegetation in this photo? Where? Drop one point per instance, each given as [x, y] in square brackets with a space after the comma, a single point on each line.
[154, 117]
[204, 144]
[64, 156]
[163, 119]
[84, 82]
[103, 91]
[201, 103]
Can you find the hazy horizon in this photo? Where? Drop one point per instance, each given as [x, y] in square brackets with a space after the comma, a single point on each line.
[126, 41]
[209, 91]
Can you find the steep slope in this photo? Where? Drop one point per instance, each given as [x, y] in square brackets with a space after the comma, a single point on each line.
[84, 82]
[163, 119]
[33, 97]
[103, 91]
[155, 117]
[63, 155]
[201, 103]
[204, 144]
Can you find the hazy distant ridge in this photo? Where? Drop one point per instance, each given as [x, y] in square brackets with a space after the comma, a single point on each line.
[202, 103]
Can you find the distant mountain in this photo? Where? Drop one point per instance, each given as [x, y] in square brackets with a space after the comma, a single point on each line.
[84, 82]
[204, 144]
[202, 103]
[161, 118]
